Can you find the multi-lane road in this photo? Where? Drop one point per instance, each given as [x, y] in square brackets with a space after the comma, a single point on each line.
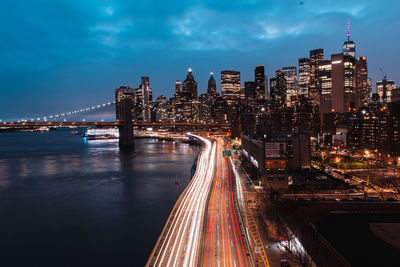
[223, 244]
[180, 241]
[203, 227]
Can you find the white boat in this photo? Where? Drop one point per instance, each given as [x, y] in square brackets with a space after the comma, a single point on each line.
[110, 133]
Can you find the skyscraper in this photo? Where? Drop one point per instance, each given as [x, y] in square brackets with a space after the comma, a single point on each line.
[349, 47]
[384, 89]
[290, 74]
[189, 91]
[178, 88]
[146, 97]
[304, 75]
[160, 109]
[250, 95]
[316, 56]
[362, 87]
[278, 90]
[230, 86]
[212, 86]
[325, 83]
[343, 82]
[260, 83]
[124, 97]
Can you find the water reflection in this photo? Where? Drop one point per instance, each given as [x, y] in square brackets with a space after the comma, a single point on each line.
[57, 192]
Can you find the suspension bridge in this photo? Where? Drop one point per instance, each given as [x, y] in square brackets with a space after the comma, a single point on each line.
[103, 115]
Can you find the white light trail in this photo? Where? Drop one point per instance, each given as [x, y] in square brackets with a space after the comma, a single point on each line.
[181, 245]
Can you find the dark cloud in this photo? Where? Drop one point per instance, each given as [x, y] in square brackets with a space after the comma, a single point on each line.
[60, 55]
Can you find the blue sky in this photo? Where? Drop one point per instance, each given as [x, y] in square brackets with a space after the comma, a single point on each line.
[60, 55]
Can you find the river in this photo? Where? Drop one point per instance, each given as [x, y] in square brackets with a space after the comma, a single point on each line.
[66, 202]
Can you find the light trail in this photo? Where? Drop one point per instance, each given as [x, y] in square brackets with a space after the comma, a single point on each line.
[204, 219]
[180, 242]
[223, 245]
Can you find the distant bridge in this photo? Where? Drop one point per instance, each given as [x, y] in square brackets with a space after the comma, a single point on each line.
[110, 124]
[103, 116]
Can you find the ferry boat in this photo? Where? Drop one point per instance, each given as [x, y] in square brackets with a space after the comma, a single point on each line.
[95, 134]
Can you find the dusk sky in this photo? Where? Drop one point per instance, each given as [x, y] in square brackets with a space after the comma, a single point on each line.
[56, 56]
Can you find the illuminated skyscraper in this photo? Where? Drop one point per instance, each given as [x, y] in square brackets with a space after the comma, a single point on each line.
[343, 82]
[212, 86]
[278, 90]
[290, 74]
[189, 90]
[316, 56]
[325, 83]
[260, 82]
[230, 86]
[384, 89]
[178, 88]
[304, 75]
[349, 47]
[362, 87]
[146, 98]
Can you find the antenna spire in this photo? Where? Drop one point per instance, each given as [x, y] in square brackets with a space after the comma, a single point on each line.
[348, 30]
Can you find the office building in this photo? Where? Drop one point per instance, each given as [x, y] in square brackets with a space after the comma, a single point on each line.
[301, 152]
[395, 97]
[316, 56]
[145, 95]
[343, 83]
[212, 86]
[260, 82]
[230, 86]
[220, 110]
[178, 88]
[384, 89]
[189, 87]
[143, 100]
[278, 90]
[362, 86]
[325, 83]
[349, 47]
[290, 74]
[160, 109]
[250, 95]
[304, 76]
[124, 99]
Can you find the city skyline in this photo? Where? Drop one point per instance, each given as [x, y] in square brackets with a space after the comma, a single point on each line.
[64, 78]
[199, 133]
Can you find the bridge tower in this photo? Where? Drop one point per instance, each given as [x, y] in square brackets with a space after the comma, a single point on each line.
[124, 105]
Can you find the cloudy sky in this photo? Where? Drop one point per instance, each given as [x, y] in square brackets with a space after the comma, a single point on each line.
[60, 55]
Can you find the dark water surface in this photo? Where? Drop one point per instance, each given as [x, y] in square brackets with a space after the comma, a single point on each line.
[64, 202]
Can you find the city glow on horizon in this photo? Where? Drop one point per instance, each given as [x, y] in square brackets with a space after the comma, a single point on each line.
[120, 35]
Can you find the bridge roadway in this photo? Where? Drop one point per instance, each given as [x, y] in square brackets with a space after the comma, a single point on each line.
[203, 229]
[107, 124]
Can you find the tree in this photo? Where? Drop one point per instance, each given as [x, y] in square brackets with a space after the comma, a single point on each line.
[291, 244]
[324, 156]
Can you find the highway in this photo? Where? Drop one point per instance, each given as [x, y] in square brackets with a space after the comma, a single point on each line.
[180, 242]
[223, 244]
